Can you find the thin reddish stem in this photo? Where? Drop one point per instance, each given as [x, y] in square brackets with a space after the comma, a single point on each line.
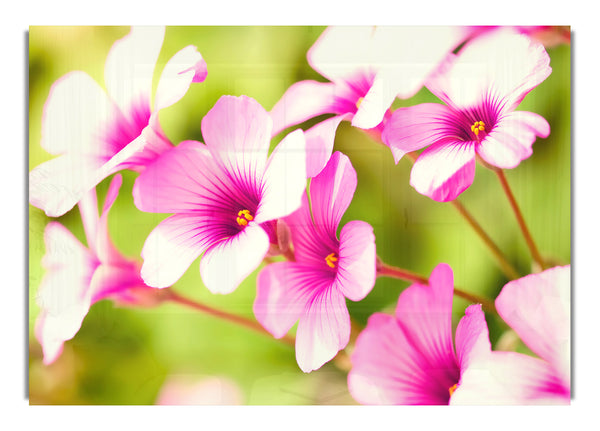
[509, 271]
[520, 220]
[385, 270]
[224, 315]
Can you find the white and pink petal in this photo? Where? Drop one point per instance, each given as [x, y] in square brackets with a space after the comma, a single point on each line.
[356, 269]
[228, 262]
[444, 170]
[323, 330]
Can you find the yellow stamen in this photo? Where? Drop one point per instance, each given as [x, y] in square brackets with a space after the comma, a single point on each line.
[452, 388]
[330, 259]
[478, 126]
[358, 102]
[244, 217]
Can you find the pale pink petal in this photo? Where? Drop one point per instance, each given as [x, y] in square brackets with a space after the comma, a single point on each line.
[64, 295]
[155, 144]
[113, 280]
[502, 63]
[401, 58]
[415, 127]
[537, 307]
[425, 313]
[511, 139]
[341, 51]
[319, 143]
[331, 193]
[185, 67]
[472, 337]
[284, 180]
[301, 101]
[357, 260]
[130, 66]
[323, 330]
[387, 368]
[445, 170]
[105, 250]
[75, 114]
[311, 246]
[88, 208]
[509, 378]
[237, 131]
[226, 264]
[182, 180]
[283, 291]
[57, 185]
[407, 55]
[172, 246]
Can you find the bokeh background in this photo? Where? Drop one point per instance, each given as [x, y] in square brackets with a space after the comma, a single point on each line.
[125, 355]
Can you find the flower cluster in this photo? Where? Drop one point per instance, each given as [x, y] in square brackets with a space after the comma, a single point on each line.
[239, 208]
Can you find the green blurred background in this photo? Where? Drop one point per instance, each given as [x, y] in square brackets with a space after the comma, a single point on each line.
[125, 355]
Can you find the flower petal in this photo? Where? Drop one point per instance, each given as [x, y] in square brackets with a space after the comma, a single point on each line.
[410, 129]
[537, 307]
[113, 281]
[443, 171]
[76, 111]
[511, 140]
[319, 144]
[301, 101]
[105, 250]
[331, 193]
[227, 263]
[357, 260]
[130, 66]
[509, 378]
[237, 131]
[340, 51]
[64, 295]
[57, 185]
[323, 330]
[503, 63]
[185, 67]
[387, 368]
[184, 179]
[283, 291]
[472, 337]
[424, 312]
[284, 180]
[172, 246]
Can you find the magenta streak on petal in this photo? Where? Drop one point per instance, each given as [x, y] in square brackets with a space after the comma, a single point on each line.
[127, 127]
[350, 91]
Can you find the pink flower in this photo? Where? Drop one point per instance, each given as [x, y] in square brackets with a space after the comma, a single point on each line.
[97, 134]
[226, 196]
[77, 277]
[409, 358]
[327, 270]
[368, 67]
[537, 307]
[481, 87]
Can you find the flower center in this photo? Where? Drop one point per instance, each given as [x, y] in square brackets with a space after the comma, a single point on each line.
[244, 217]
[478, 126]
[452, 388]
[358, 102]
[330, 260]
